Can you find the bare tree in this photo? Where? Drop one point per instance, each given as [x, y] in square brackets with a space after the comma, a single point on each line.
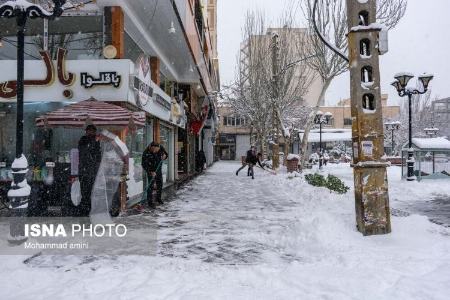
[291, 76]
[248, 94]
[331, 21]
[272, 79]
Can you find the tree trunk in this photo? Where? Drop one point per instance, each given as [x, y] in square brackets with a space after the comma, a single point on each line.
[309, 123]
[287, 146]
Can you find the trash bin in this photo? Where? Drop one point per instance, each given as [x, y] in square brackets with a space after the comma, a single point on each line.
[292, 163]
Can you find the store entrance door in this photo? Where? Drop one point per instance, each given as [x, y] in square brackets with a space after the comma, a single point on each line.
[228, 152]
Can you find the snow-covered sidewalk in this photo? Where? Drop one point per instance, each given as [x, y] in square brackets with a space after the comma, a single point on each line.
[228, 237]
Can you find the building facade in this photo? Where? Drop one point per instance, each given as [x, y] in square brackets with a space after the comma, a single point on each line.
[158, 59]
[235, 131]
[441, 116]
[234, 137]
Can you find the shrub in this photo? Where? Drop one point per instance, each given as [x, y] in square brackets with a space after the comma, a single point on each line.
[335, 184]
[331, 182]
[316, 180]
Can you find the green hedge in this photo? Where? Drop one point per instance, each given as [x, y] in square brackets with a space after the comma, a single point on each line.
[331, 182]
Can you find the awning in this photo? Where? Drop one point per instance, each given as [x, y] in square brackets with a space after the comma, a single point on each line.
[197, 125]
[94, 112]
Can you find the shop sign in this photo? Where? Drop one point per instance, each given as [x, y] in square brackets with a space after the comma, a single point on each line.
[104, 78]
[8, 89]
[161, 101]
[142, 83]
[56, 80]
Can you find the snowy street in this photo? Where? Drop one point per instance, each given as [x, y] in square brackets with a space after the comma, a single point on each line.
[228, 237]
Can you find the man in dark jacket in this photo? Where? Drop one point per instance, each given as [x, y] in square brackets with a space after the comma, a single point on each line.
[90, 157]
[152, 160]
[200, 161]
[251, 160]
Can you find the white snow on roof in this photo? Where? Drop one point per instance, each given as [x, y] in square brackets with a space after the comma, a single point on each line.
[432, 143]
[329, 135]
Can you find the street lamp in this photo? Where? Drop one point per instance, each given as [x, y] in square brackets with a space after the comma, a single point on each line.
[400, 85]
[20, 190]
[392, 126]
[321, 119]
[431, 132]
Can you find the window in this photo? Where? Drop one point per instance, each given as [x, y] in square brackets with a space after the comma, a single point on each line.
[347, 121]
[441, 117]
[368, 102]
[366, 74]
[364, 47]
[440, 106]
[364, 18]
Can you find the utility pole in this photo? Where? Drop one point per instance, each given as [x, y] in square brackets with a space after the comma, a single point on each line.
[371, 186]
[275, 75]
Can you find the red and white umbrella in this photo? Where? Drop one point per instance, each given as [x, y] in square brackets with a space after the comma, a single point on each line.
[98, 113]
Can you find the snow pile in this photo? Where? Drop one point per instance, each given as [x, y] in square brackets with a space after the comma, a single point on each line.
[20, 163]
[432, 143]
[373, 26]
[293, 156]
[24, 190]
[23, 5]
[230, 237]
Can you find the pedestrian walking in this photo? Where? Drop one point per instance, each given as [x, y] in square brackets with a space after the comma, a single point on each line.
[152, 160]
[251, 160]
[201, 161]
[90, 157]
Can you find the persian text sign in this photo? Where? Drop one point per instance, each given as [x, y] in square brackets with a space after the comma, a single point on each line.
[46, 81]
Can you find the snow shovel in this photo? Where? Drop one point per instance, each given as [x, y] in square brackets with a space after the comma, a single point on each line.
[271, 172]
[144, 194]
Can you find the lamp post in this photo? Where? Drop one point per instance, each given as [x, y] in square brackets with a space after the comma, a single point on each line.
[321, 119]
[431, 132]
[20, 190]
[392, 126]
[400, 84]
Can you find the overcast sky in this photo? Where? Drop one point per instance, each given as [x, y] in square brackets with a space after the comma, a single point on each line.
[420, 43]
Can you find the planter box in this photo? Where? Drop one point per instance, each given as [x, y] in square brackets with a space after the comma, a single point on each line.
[292, 165]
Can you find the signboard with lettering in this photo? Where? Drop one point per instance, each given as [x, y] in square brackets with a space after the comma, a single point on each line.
[142, 82]
[110, 80]
[60, 80]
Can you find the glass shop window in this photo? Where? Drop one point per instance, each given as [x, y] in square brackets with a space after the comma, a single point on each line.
[82, 36]
[167, 142]
[33, 37]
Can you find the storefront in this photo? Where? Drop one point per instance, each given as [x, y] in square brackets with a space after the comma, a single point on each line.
[50, 148]
[227, 146]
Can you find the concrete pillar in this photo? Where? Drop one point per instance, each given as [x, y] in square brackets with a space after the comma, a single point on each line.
[370, 176]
